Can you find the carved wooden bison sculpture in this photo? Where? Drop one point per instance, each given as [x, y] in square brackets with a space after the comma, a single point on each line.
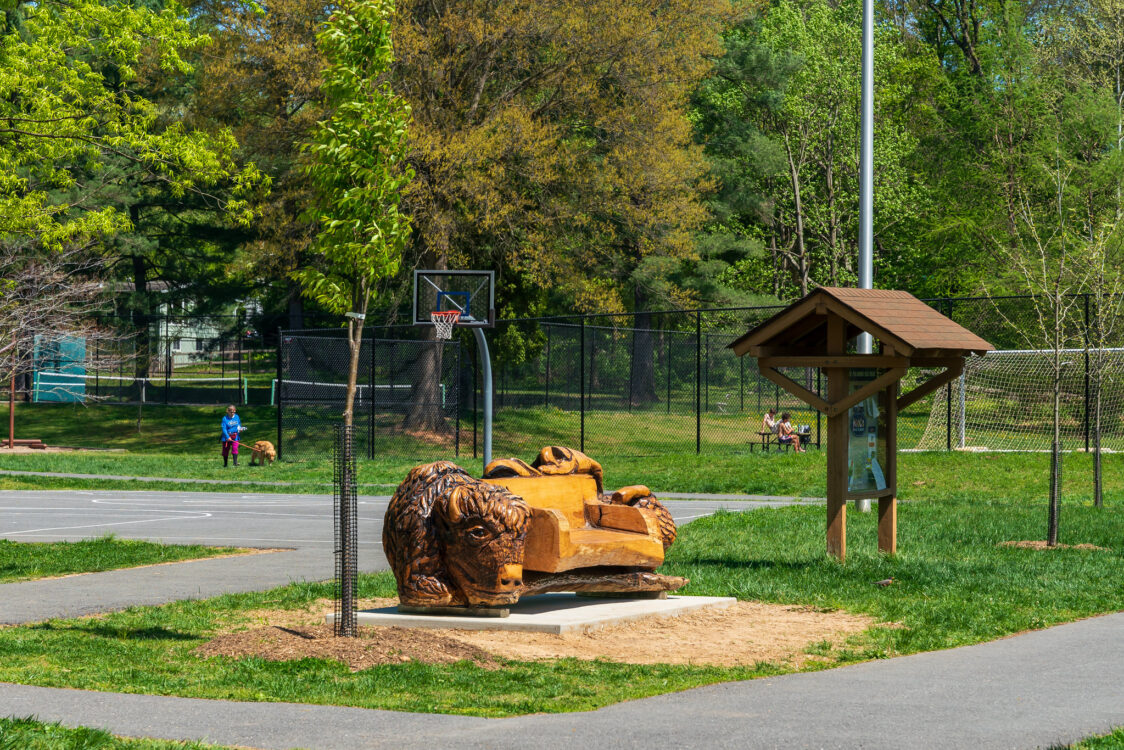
[452, 540]
[455, 541]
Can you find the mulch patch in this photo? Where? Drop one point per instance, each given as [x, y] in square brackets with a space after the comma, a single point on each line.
[373, 646]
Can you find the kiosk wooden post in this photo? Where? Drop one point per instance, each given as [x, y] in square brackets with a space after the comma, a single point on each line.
[862, 401]
[838, 381]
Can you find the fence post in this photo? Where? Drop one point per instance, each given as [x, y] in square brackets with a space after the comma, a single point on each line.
[458, 381]
[241, 353]
[167, 357]
[280, 390]
[757, 380]
[475, 386]
[819, 414]
[373, 394]
[1087, 371]
[698, 382]
[948, 396]
[667, 362]
[581, 385]
[631, 364]
[741, 384]
[706, 375]
[546, 394]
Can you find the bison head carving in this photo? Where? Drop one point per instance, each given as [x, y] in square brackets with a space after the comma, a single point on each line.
[453, 540]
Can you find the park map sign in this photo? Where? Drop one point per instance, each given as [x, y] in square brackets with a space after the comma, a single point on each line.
[863, 398]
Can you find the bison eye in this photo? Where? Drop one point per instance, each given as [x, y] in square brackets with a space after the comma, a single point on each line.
[477, 533]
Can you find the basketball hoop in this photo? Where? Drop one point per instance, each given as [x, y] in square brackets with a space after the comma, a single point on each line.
[443, 322]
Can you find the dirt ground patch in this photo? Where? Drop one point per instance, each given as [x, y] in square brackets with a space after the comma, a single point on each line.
[1041, 545]
[741, 635]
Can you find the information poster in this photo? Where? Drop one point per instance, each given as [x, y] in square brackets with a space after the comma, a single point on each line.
[866, 439]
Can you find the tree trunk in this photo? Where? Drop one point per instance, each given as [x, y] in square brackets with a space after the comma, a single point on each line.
[643, 367]
[12, 405]
[355, 346]
[798, 208]
[833, 214]
[296, 307]
[425, 414]
[141, 313]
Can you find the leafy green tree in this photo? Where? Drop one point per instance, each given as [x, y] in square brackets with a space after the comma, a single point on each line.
[780, 120]
[261, 78]
[77, 130]
[358, 171]
[67, 111]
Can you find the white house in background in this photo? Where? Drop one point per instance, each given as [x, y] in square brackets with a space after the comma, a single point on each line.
[190, 338]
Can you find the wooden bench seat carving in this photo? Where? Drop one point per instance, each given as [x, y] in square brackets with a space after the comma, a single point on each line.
[571, 527]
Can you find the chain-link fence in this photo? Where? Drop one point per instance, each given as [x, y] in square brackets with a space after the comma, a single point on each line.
[181, 360]
[407, 398]
[608, 388]
[659, 383]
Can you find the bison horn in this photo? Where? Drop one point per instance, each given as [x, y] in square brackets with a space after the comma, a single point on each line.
[453, 505]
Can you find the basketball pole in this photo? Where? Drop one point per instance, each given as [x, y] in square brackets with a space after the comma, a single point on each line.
[486, 368]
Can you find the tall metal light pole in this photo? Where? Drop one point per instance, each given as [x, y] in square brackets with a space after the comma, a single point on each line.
[866, 184]
[866, 165]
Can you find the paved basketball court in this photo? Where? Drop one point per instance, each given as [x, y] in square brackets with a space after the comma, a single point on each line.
[227, 519]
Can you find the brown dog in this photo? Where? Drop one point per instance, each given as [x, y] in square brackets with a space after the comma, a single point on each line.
[261, 452]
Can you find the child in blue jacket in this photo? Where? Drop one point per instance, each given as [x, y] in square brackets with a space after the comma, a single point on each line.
[231, 426]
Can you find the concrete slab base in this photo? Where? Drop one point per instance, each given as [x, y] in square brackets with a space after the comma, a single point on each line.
[550, 613]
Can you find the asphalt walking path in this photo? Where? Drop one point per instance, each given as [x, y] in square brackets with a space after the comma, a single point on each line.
[1042, 689]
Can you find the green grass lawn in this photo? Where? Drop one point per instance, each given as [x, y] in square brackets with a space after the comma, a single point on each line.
[953, 586]
[1114, 741]
[922, 476]
[29, 734]
[23, 561]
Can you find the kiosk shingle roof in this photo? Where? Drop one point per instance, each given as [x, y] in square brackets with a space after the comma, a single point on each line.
[898, 313]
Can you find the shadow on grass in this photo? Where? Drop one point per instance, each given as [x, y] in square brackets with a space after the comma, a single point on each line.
[135, 634]
[745, 564]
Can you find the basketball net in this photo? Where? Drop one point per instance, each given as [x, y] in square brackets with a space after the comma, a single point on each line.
[443, 322]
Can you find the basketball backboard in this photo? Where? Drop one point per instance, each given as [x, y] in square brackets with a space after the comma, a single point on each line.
[471, 293]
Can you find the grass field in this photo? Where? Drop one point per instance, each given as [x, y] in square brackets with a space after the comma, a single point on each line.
[23, 561]
[1020, 477]
[1114, 741]
[182, 442]
[195, 430]
[29, 734]
[953, 586]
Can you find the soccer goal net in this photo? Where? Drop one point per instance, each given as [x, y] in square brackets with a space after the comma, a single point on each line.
[1004, 402]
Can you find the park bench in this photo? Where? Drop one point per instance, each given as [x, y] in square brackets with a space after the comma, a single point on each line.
[766, 439]
[572, 527]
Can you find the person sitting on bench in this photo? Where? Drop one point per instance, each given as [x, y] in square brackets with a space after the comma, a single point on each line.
[786, 434]
[769, 423]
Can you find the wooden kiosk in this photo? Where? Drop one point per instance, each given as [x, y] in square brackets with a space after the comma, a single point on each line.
[862, 401]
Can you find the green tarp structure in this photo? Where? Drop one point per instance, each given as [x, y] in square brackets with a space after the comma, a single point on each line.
[60, 369]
